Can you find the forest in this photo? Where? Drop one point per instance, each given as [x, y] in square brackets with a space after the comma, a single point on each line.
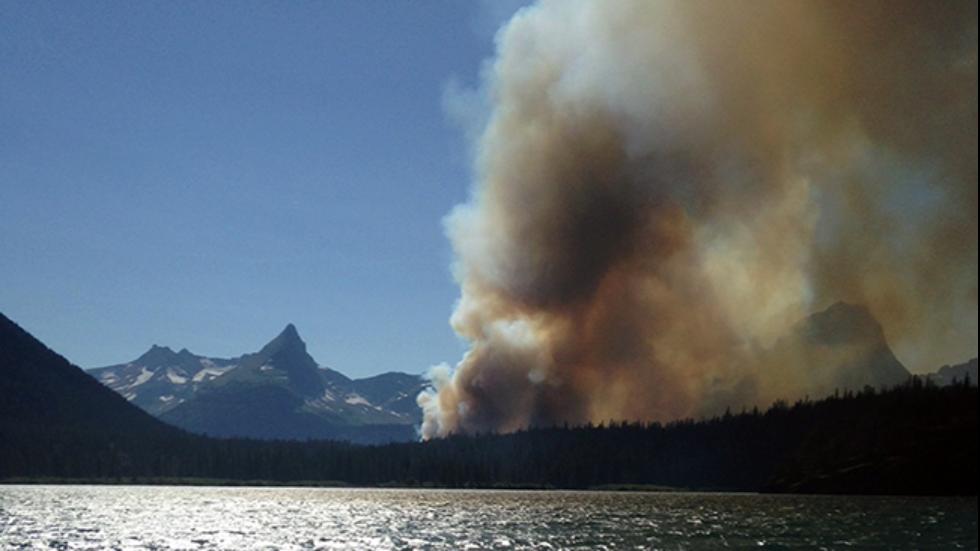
[911, 439]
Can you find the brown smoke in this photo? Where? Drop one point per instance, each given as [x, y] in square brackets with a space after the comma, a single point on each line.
[664, 188]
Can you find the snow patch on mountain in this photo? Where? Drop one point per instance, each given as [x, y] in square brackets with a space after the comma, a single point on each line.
[356, 399]
[175, 378]
[210, 373]
[144, 376]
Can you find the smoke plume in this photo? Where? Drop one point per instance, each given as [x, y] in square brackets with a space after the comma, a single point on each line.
[664, 188]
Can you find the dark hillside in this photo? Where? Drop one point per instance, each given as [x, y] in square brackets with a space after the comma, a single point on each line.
[40, 388]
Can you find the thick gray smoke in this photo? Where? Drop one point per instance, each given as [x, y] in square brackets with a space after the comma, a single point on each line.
[663, 188]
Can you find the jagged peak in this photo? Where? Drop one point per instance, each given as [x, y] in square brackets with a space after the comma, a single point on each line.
[288, 340]
[164, 356]
[290, 332]
[287, 352]
[156, 354]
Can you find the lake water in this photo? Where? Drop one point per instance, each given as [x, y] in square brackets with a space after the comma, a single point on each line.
[163, 517]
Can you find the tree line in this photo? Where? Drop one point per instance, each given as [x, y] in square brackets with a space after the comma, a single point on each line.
[915, 438]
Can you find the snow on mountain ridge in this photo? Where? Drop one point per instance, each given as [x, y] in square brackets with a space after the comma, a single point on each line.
[162, 380]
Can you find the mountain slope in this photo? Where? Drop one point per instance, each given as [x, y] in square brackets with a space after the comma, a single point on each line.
[161, 379]
[392, 391]
[41, 388]
[55, 420]
[257, 411]
[285, 360]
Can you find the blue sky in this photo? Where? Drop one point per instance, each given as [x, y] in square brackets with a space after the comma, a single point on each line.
[199, 174]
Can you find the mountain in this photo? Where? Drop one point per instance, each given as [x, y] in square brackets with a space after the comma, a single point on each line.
[279, 392]
[40, 388]
[285, 359]
[55, 420]
[950, 374]
[161, 379]
[842, 347]
[392, 391]
[857, 342]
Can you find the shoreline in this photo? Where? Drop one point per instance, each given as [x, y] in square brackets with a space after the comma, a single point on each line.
[253, 483]
[335, 484]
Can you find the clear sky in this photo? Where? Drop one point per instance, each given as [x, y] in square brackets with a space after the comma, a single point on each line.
[200, 174]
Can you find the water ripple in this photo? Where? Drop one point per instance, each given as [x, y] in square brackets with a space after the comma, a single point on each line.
[194, 518]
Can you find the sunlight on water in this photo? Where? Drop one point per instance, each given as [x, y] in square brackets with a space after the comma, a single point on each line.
[142, 517]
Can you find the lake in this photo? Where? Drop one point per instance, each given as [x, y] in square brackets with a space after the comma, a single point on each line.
[172, 517]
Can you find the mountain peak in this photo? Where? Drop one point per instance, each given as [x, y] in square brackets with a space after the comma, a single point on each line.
[287, 352]
[156, 355]
[842, 323]
[842, 347]
[290, 332]
[288, 339]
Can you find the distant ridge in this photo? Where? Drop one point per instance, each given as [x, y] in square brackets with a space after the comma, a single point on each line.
[279, 392]
[950, 374]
